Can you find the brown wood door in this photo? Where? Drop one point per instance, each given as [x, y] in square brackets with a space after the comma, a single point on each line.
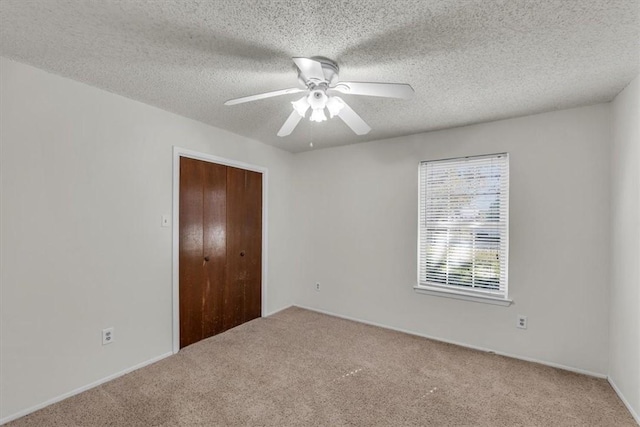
[220, 245]
[244, 246]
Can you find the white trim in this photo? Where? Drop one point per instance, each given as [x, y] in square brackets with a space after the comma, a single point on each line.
[83, 388]
[615, 388]
[278, 310]
[473, 347]
[183, 152]
[452, 293]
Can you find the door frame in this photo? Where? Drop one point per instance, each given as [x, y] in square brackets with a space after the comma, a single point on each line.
[175, 282]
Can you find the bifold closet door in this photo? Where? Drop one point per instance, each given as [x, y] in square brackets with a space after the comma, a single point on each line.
[220, 248]
[202, 249]
[244, 247]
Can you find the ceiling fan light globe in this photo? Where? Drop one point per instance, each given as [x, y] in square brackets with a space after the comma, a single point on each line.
[317, 99]
[334, 105]
[301, 106]
[318, 115]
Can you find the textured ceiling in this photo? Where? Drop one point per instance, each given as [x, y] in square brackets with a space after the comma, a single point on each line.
[468, 61]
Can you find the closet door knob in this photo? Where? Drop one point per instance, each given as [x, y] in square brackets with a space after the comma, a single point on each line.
[241, 253]
[206, 258]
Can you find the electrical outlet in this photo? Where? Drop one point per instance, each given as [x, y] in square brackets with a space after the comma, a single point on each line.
[318, 286]
[522, 322]
[107, 336]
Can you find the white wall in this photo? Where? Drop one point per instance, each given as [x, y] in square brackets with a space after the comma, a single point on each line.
[624, 365]
[86, 176]
[356, 215]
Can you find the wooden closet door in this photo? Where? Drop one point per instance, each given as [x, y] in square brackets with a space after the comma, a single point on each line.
[215, 247]
[244, 247]
[220, 246]
[202, 249]
[191, 251]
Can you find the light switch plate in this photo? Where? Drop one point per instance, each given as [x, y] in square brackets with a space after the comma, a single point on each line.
[166, 221]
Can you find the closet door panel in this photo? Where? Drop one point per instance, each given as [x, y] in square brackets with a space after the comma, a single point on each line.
[191, 274]
[215, 246]
[244, 244]
[252, 238]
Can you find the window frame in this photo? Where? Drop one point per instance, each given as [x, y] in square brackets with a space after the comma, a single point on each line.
[457, 291]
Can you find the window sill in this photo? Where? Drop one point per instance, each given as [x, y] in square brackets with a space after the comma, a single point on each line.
[430, 290]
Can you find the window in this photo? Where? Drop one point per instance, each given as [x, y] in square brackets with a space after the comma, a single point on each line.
[464, 227]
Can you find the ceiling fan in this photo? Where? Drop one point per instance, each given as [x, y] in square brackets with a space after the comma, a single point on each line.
[320, 79]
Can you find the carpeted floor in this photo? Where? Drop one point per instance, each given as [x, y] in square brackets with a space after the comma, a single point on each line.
[301, 368]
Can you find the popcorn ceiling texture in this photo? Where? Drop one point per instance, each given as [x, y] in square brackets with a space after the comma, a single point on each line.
[469, 61]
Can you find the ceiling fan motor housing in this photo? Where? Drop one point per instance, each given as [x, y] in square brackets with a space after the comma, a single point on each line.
[330, 70]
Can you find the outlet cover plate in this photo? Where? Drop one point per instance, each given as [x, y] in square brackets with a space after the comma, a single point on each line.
[107, 336]
[522, 322]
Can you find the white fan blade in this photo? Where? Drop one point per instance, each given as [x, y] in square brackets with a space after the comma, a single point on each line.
[353, 120]
[290, 124]
[264, 95]
[386, 90]
[310, 68]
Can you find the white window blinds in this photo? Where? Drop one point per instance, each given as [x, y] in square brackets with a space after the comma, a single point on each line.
[463, 235]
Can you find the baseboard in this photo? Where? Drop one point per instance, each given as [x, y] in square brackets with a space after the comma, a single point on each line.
[81, 389]
[278, 310]
[488, 350]
[634, 414]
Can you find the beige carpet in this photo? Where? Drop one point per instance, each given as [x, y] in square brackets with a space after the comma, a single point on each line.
[303, 368]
